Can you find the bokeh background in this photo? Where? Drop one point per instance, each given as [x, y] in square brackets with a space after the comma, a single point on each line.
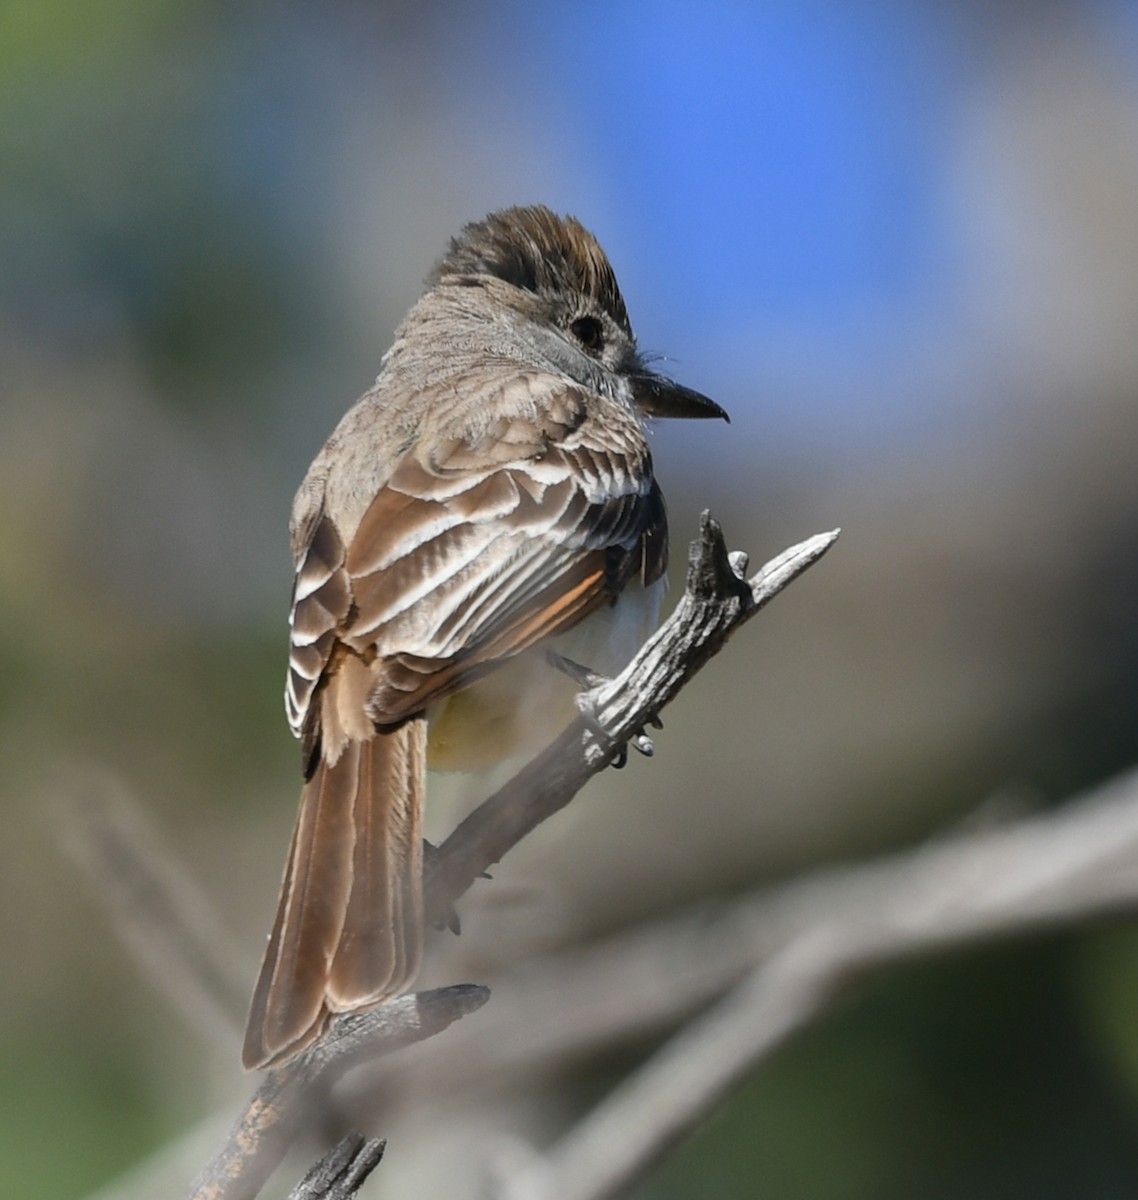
[897, 241]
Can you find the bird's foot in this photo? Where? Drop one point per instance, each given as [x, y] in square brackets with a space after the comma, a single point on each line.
[639, 741]
[590, 681]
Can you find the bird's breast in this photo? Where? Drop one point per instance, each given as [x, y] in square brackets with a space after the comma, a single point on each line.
[525, 703]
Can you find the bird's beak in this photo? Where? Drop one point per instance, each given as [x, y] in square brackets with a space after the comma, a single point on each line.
[656, 396]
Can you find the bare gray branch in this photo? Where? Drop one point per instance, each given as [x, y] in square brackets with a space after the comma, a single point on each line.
[1057, 869]
[296, 1092]
[716, 603]
[341, 1173]
[164, 919]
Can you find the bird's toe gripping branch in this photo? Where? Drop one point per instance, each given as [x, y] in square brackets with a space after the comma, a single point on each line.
[639, 741]
[591, 681]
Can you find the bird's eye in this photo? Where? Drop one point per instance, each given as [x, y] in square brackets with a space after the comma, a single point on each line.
[589, 332]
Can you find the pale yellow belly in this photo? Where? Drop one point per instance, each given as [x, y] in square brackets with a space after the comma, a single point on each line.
[525, 703]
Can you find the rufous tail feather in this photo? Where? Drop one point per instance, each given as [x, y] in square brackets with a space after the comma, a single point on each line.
[349, 927]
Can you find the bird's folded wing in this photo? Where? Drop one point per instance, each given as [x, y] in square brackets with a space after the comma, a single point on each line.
[471, 553]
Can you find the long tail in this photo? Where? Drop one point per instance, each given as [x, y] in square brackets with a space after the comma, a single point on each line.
[349, 926]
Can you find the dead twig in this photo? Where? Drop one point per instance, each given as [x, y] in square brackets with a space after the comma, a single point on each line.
[341, 1173]
[291, 1094]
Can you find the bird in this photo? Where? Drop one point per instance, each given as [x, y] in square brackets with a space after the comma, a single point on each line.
[491, 495]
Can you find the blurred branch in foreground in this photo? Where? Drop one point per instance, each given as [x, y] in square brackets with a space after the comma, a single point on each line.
[823, 935]
[164, 919]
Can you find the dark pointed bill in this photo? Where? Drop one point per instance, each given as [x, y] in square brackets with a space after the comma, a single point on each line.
[660, 397]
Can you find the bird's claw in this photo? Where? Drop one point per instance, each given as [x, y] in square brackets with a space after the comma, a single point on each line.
[639, 740]
[642, 742]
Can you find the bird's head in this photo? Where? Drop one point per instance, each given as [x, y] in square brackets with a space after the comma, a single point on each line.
[552, 273]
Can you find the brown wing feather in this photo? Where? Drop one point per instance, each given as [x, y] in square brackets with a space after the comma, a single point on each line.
[560, 541]
[321, 602]
[476, 548]
[408, 683]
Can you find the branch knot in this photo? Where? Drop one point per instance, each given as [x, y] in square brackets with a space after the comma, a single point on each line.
[711, 573]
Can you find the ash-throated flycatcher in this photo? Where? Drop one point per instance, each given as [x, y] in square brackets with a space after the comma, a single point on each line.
[492, 490]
